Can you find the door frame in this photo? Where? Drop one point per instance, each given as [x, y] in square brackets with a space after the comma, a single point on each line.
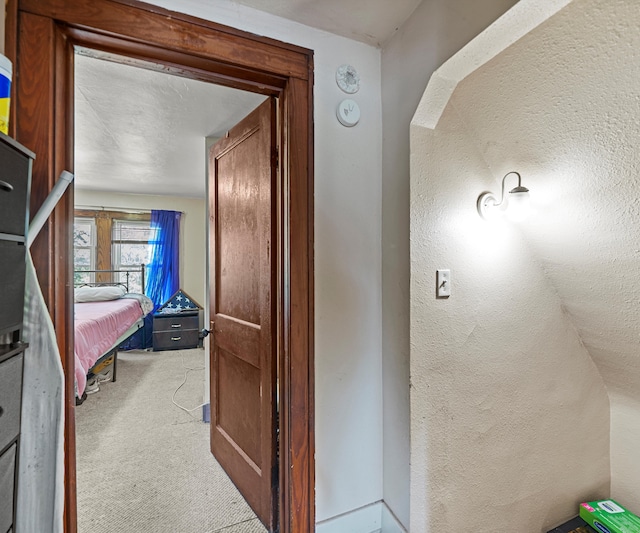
[41, 38]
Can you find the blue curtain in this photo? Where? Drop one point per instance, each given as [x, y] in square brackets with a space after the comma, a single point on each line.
[163, 272]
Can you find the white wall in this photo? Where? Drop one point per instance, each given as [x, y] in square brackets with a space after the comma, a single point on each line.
[625, 436]
[348, 417]
[192, 229]
[509, 414]
[435, 31]
[559, 105]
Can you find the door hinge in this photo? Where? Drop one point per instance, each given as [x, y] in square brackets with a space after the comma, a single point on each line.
[276, 157]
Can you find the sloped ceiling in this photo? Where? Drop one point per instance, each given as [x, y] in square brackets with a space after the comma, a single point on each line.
[141, 131]
[370, 21]
[562, 107]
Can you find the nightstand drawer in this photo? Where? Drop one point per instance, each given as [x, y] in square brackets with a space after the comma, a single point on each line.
[173, 323]
[175, 340]
[10, 399]
[7, 483]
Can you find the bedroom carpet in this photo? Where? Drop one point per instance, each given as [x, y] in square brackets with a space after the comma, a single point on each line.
[143, 465]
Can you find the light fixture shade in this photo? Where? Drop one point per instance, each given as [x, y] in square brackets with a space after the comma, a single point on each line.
[519, 204]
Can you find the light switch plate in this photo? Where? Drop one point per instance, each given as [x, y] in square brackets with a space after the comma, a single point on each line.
[443, 283]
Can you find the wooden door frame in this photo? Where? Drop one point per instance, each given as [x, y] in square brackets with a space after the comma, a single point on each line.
[41, 37]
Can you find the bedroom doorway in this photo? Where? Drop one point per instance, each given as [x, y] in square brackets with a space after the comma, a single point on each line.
[41, 39]
[122, 173]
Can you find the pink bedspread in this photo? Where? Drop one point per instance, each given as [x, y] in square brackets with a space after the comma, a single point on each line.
[98, 325]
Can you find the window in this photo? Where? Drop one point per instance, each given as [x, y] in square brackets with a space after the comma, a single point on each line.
[84, 249]
[106, 240]
[130, 248]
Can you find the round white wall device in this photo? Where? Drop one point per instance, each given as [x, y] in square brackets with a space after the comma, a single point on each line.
[348, 113]
[348, 79]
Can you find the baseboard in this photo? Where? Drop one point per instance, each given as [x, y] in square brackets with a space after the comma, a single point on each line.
[367, 519]
[373, 518]
[390, 524]
[206, 413]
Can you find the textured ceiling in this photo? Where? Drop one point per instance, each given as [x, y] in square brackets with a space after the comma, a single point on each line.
[370, 21]
[143, 132]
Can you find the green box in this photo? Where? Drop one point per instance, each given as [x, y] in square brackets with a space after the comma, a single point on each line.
[608, 516]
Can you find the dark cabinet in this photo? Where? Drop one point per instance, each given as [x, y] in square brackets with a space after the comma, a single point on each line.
[15, 185]
[576, 525]
[12, 274]
[7, 487]
[178, 331]
[10, 404]
[10, 396]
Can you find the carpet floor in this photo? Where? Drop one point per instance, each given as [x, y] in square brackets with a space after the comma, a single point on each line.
[143, 464]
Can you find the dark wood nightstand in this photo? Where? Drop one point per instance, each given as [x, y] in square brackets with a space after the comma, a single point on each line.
[176, 331]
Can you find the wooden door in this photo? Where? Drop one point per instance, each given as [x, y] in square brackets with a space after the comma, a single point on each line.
[243, 281]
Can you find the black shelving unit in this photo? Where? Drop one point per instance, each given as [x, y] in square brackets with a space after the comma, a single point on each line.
[15, 186]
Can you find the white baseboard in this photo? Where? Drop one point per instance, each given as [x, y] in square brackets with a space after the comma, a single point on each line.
[367, 519]
[373, 518]
[390, 524]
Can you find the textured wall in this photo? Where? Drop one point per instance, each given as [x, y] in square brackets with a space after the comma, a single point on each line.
[625, 436]
[562, 107]
[559, 105]
[434, 32]
[501, 382]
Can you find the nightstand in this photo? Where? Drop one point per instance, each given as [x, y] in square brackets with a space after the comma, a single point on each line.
[176, 331]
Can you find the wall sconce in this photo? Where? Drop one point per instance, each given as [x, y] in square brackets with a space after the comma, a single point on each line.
[516, 204]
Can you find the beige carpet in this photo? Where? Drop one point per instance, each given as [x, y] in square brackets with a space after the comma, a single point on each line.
[143, 464]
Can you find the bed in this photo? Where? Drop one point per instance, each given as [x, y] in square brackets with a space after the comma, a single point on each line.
[106, 314]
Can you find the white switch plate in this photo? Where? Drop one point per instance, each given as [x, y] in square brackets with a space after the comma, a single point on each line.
[443, 283]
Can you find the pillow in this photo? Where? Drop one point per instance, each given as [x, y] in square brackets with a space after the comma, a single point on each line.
[98, 294]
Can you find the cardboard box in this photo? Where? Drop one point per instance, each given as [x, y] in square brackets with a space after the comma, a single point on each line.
[608, 516]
